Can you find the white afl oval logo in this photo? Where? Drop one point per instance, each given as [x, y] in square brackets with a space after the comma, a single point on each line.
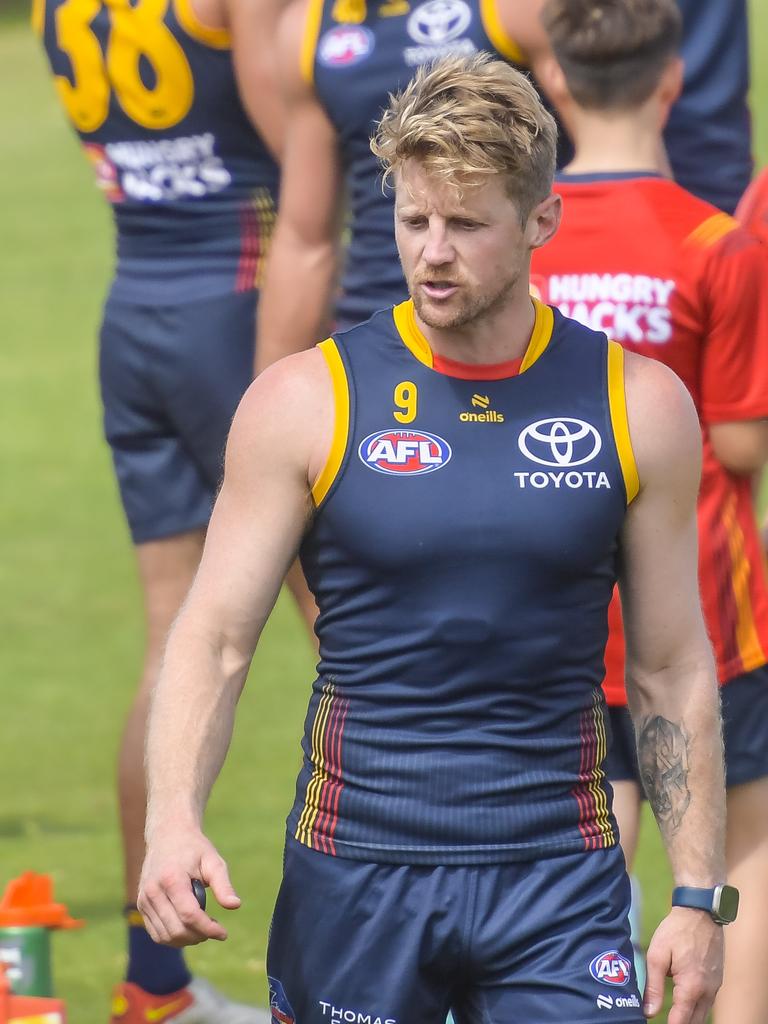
[560, 441]
[439, 21]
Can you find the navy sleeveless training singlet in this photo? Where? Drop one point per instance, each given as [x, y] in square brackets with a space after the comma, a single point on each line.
[463, 555]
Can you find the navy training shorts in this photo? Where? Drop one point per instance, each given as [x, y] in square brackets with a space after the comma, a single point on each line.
[171, 379]
[745, 733]
[539, 942]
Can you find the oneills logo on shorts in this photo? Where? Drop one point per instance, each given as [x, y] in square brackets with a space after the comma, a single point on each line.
[404, 452]
[611, 968]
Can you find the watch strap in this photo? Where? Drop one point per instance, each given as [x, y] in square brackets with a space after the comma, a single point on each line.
[692, 897]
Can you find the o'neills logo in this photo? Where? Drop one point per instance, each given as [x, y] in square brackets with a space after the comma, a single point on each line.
[487, 415]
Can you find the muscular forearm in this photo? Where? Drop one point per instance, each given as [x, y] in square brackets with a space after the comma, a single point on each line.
[295, 304]
[677, 723]
[190, 724]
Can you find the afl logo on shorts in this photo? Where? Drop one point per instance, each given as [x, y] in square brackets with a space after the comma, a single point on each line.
[345, 46]
[404, 452]
[439, 21]
[560, 441]
[611, 968]
[280, 1008]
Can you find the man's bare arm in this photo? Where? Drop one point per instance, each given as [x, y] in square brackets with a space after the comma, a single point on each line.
[253, 26]
[671, 681]
[296, 298]
[276, 448]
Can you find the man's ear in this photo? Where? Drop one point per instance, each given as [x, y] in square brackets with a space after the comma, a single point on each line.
[670, 85]
[550, 77]
[544, 220]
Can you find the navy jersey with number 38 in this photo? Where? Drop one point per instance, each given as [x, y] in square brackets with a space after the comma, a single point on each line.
[152, 94]
[463, 556]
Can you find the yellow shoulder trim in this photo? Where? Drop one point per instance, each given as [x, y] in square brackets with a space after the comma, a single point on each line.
[497, 34]
[617, 402]
[37, 16]
[330, 470]
[408, 329]
[134, 919]
[216, 38]
[712, 230]
[541, 336]
[309, 40]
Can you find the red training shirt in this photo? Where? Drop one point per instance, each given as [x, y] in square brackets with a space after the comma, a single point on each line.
[671, 277]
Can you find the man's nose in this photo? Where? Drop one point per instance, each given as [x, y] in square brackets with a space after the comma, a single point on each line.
[437, 248]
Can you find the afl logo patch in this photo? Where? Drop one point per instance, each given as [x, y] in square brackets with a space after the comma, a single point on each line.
[611, 968]
[404, 452]
[281, 1009]
[439, 21]
[345, 46]
[560, 441]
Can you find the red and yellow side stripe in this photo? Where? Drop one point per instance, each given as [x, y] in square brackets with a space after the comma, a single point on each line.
[590, 794]
[257, 222]
[320, 814]
[738, 631]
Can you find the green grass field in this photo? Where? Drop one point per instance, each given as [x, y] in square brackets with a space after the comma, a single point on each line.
[70, 633]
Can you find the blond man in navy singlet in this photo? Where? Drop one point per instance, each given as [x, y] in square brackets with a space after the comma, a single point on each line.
[465, 477]
[339, 61]
[164, 96]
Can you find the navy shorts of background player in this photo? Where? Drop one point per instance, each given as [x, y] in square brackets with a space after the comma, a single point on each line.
[452, 844]
[193, 189]
[354, 55]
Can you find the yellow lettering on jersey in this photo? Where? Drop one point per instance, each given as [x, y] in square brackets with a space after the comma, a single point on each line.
[394, 9]
[407, 399]
[136, 32]
[86, 99]
[141, 32]
[349, 12]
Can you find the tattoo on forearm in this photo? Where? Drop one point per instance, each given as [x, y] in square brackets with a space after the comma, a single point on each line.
[662, 748]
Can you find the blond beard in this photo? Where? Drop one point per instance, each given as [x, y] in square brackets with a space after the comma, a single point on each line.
[473, 308]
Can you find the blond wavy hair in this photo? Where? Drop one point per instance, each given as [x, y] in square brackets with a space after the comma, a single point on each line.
[465, 119]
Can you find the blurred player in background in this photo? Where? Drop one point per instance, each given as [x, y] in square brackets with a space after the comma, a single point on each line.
[708, 135]
[152, 90]
[451, 842]
[340, 59]
[671, 277]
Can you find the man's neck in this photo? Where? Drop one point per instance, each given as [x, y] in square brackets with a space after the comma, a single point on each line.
[500, 337]
[617, 142]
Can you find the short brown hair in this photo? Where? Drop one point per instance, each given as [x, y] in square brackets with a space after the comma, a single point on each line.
[467, 118]
[612, 52]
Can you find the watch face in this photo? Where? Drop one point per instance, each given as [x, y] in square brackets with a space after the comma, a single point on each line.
[726, 903]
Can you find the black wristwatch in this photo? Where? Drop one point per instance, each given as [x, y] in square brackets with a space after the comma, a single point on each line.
[721, 903]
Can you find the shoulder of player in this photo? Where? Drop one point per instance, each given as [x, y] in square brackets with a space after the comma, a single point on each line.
[663, 423]
[283, 412]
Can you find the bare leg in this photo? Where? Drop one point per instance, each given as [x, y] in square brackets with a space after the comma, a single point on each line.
[166, 570]
[743, 999]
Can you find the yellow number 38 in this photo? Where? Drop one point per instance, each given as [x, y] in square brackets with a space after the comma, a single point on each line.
[137, 33]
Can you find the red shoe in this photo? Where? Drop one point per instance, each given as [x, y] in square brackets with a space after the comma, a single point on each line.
[198, 1003]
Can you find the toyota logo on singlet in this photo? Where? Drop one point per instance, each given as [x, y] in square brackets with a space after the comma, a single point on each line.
[439, 21]
[560, 441]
